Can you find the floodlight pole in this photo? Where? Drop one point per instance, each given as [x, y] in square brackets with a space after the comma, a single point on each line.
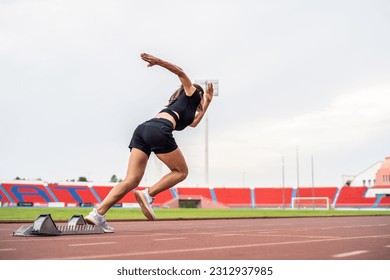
[283, 185]
[312, 179]
[297, 194]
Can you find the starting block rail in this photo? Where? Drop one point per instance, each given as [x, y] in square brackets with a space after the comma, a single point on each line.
[45, 226]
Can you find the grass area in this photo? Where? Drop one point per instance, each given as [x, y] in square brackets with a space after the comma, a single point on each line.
[63, 214]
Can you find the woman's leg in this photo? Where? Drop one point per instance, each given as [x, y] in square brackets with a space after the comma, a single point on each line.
[135, 171]
[177, 164]
[179, 171]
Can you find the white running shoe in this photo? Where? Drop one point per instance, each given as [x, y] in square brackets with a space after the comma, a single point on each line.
[145, 201]
[94, 218]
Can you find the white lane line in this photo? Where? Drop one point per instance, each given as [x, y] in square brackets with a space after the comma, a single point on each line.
[387, 246]
[350, 254]
[243, 233]
[91, 244]
[226, 234]
[205, 249]
[169, 239]
[8, 249]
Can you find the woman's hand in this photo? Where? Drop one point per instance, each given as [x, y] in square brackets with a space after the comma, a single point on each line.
[185, 81]
[209, 93]
[150, 59]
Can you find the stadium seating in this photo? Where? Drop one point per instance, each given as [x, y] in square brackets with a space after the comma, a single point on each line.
[273, 197]
[26, 192]
[102, 192]
[329, 192]
[76, 194]
[384, 202]
[4, 196]
[233, 197]
[205, 192]
[354, 197]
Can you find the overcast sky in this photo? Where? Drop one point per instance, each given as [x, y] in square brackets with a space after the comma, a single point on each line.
[312, 76]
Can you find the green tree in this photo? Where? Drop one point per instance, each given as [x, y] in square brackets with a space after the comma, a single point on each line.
[82, 179]
[114, 179]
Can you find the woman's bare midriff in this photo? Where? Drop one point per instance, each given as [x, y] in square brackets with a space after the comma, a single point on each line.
[168, 117]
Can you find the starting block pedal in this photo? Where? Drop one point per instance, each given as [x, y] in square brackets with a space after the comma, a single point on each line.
[77, 225]
[45, 226]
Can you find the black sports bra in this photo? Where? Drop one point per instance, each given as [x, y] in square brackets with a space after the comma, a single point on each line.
[186, 107]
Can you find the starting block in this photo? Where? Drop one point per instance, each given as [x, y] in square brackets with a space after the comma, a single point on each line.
[45, 226]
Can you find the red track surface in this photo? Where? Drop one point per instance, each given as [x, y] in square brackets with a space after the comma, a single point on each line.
[333, 238]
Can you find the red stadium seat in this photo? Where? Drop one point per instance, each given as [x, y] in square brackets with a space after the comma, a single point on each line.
[354, 197]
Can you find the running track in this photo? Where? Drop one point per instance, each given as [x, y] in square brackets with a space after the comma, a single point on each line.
[331, 238]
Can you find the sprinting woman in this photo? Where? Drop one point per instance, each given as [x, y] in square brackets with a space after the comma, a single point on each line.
[186, 107]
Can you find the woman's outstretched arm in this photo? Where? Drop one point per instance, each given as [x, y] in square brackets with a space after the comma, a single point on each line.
[185, 81]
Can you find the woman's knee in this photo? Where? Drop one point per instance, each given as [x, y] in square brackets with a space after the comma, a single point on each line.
[183, 173]
[131, 182]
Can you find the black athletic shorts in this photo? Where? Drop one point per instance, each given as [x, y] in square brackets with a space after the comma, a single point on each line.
[155, 136]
